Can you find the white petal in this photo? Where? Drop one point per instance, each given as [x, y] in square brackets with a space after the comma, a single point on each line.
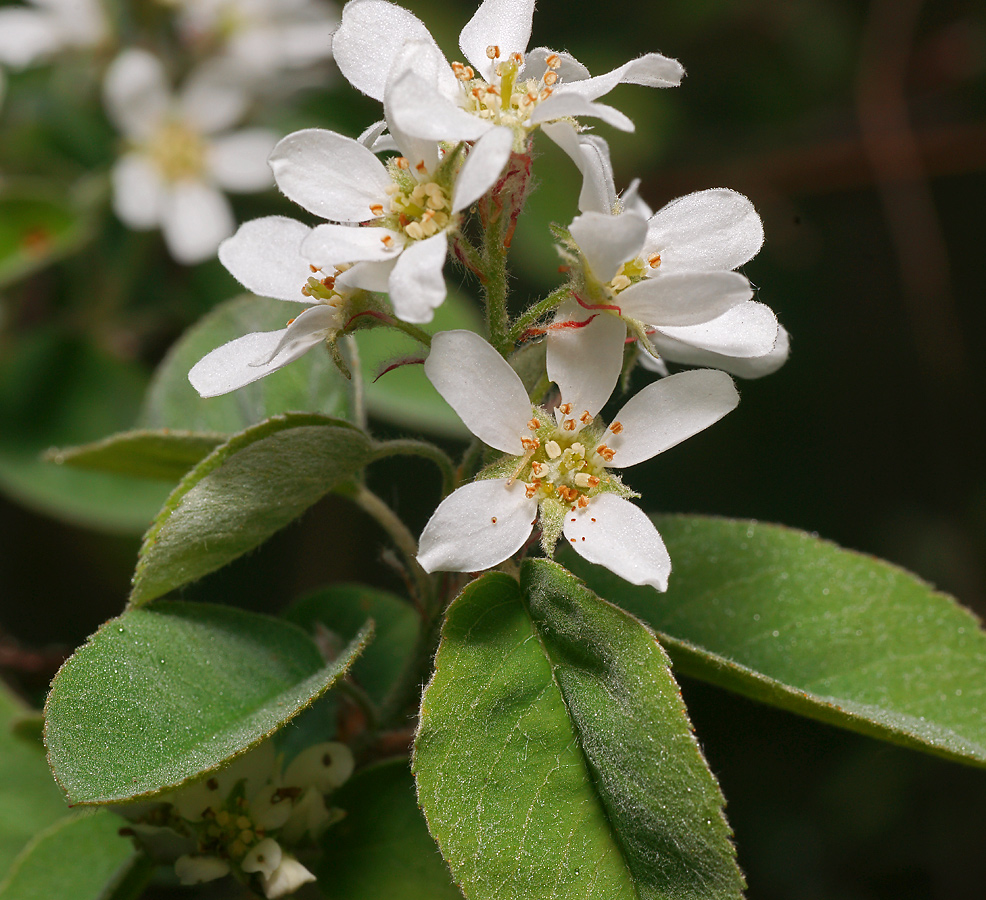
[417, 285]
[608, 241]
[238, 161]
[749, 329]
[741, 367]
[373, 137]
[136, 93]
[370, 36]
[688, 298]
[233, 365]
[568, 69]
[668, 411]
[213, 97]
[325, 766]
[476, 527]
[417, 111]
[306, 330]
[137, 191]
[286, 878]
[265, 858]
[591, 155]
[497, 23]
[368, 276]
[482, 167]
[195, 219]
[715, 229]
[265, 257]
[564, 106]
[198, 869]
[585, 362]
[26, 36]
[329, 245]
[330, 175]
[479, 384]
[616, 534]
[650, 70]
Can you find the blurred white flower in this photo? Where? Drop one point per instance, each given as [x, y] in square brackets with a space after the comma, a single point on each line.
[557, 469]
[260, 37]
[668, 276]
[38, 31]
[502, 86]
[179, 158]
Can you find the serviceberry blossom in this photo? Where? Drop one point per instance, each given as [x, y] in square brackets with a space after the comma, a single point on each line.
[501, 85]
[265, 257]
[259, 37]
[241, 819]
[557, 467]
[412, 205]
[178, 159]
[36, 32]
[668, 279]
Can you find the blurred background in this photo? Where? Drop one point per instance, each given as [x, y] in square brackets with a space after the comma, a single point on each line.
[858, 129]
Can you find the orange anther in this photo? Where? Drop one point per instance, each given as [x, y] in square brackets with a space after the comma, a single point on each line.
[616, 427]
[553, 61]
[585, 418]
[493, 519]
[582, 502]
[517, 58]
[593, 482]
[654, 261]
[387, 240]
[376, 209]
[534, 424]
[565, 409]
[402, 163]
[537, 468]
[314, 268]
[550, 78]
[568, 424]
[493, 52]
[605, 452]
[421, 167]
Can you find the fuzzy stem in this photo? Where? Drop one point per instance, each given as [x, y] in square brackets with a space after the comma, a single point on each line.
[539, 309]
[402, 538]
[412, 447]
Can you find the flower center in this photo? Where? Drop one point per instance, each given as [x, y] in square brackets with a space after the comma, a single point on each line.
[418, 208]
[323, 290]
[507, 100]
[631, 272]
[566, 460]
[177, 151]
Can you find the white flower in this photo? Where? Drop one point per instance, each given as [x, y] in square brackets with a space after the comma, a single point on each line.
[35, 33]
[669, 277]
[261, 37]
[413, 203]
[196, 869]
[177, 160]
[265, 257]
[558, 468]
[502, 87]
[286, 878]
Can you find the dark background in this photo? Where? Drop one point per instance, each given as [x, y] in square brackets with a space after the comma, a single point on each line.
[859, 132]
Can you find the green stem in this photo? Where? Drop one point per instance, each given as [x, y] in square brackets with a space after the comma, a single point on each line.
[470, 460]
[540, 389]
[407, 688]
[412, 447]
[357, 390]
[402, 538]
[422, 337]
[494, 263]
[363, 700]
[537, 311]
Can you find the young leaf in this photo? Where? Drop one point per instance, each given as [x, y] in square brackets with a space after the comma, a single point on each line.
[797, 622]
[29, 798]
[310, 384]
[166, 693]
[555, 758]
[343, 608]
[78, 858]
[163, 454]
[244, 491]
[382, 848]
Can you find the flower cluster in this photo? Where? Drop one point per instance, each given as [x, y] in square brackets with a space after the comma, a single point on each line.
[242, 819]
[643, 286]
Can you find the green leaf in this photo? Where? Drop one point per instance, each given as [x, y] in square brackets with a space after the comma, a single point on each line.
[343, 608]
[554, 755]
[53, 391]
[382, 848]
[79, 858]
[29, 798]
[310, 384]
[404, 396]
[797, 622]
[166, 693]
[163, 454]
[244, 491]
[35, 229]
